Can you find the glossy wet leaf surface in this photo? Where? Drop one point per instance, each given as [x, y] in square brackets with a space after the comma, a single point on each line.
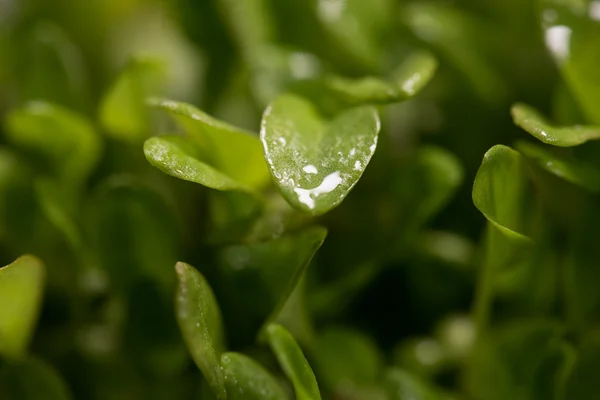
[177, 156]
[533, 122]
[233, 151]
[563, 166]
[32, 379]
[257, 279]
[21, 287]
[571, 31]
[200, 322]
[500, 190]
[63, 142]
[406, 81]
[315, 162]
[293, 363]
[246, 379]
[123, 110]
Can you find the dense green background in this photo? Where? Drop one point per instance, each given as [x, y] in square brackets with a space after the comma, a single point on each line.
[439, 276]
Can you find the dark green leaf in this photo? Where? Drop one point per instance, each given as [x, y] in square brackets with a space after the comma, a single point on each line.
[257, 279]
[31, 379]
[245, 379]
[199, 319]
[21, 287]
[123, 110]
[533, 122]
[233, 151]
[293, 363]
[401, 385]
[583, 383]
[314, 162]
[342, 356]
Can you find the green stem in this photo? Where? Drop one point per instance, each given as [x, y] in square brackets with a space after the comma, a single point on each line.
[484, 294]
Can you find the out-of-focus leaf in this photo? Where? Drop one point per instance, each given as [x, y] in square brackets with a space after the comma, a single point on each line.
[31, 379]
[424, 356]
[293, 363]
[582, 383]
[500, 190]
[454, 34]
[200, 322]
[245, 379]
[257, 279]
[533, 122]
[63, 143]
[123, 110]
[233, 151]
[134, 232]
[52, 68]
[406, 82]
[402, 385]
[572, 28]
[21, 287]
[522, 362]
[178, 157]
[357, 26]
[314, 162]
[232, 215]
[344, 356]
[567, 168]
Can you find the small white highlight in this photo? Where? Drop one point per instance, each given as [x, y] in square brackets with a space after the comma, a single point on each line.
[595, 10]
[310, 169]
[558, 40]
[357, 165]
[428, 352]
[352, 152]
[307, 196]
[409, 85]
[282, 141]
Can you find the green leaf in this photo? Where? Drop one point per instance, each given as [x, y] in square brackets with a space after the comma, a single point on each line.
[456, 36]
[177, 156]
[314, 162]
[134, 232]
[21, 287]
[533, 122]
[401, 385]
[571, 33]
[520, 362]
[31, 379]
[200, 322]
[256, 280]
[408, 80]
[293, 362]
[233, 151]
[60, 141]
[563, 166]
[245, 379]
[123, 110]
[343, 356]
[582, 383]
[500, 189]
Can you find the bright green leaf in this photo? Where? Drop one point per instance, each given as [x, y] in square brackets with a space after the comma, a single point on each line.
[177, 156]
[500, 188]
[200, 322]
[21, 287]
[293, 363]
[315, 162]
[568, 168]
[31, 379]
[533, 122]
[123, 110]
[233, 151]
[245, 379]
[343, 355]
[406, 82]
[257, 279]
[60, 140]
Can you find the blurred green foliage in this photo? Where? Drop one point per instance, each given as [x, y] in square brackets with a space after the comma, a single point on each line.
[277, 199]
